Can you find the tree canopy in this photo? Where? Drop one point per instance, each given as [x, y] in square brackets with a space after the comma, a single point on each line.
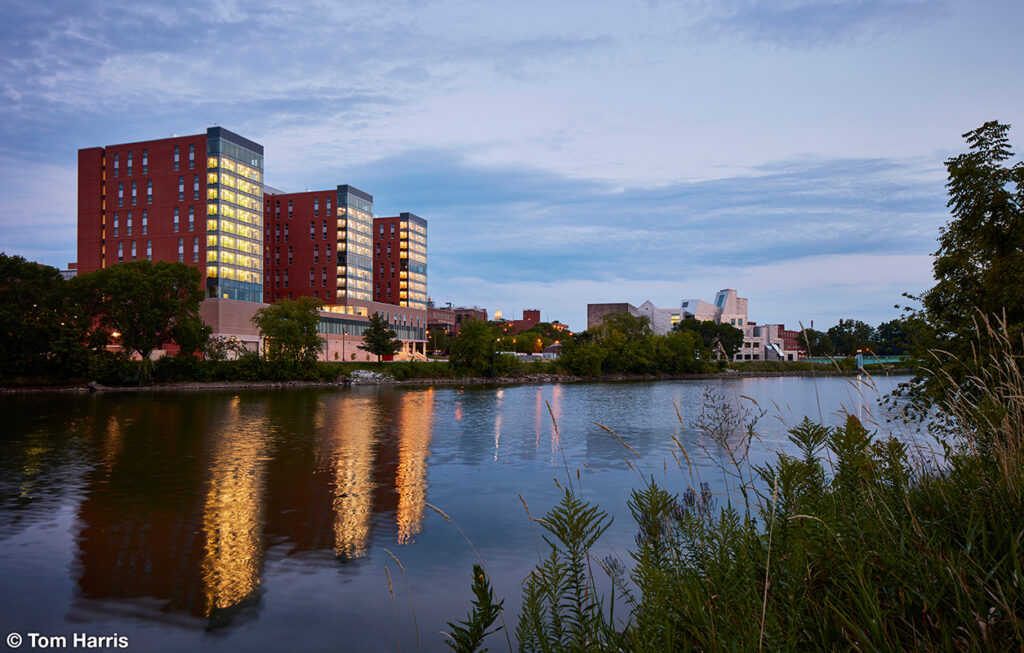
[714, 335]
[148, 304]
[379, 339]
[473, 348]
[290, 329]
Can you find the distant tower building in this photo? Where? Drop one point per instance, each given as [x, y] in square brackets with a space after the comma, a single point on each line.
[400, 260]
[193, 199]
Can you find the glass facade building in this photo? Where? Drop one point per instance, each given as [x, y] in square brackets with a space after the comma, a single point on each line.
[354, 244]
[413, 244]
[234, 216]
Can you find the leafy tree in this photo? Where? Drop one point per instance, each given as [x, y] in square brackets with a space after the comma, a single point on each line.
[977, 268]
[290, 329]
[438, 340]
[148, 304]
[980, 260]
[892, 338]
[713, 335]
[42, 330]
[473, 349]
[850, 335]
[815, 342]
[379, 339]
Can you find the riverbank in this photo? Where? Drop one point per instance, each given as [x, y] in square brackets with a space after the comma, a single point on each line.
[384, 379]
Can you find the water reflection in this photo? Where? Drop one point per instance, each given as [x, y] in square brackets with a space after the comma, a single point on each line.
[187, 518]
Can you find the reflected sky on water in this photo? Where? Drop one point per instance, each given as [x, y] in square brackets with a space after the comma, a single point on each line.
[258, 519]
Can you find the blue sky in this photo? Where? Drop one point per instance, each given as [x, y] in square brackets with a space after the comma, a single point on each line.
[563, 153]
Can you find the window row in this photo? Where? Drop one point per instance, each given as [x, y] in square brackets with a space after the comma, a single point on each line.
[133, 249]
[116, 168]
[129, 222]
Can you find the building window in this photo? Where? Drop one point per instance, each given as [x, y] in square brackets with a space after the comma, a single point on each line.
[120, 252]
[145, 222]
[323, 231]
[389, 253]
[328, 207]
[381, 228]
[277, 279]
[128, 165]
[177, 160]
[316, 207]
[145, 162]
[277, 233]
[181, 189]
[135, 193]
[195, 249]
[181, 250]
[128, 224]
[177, 219]
[327, 253]
[312, 280]
[277, 209]
[378, 250]
[290, 259]
[120, 193]
[277, 256]
[312, 230]
[133, 250]
[289, 209]
[195, 188]
[117, 162]
[286, 278]
[316, 253]
[393, 233]
[323, 277]
[286, 233]
[116, 224]
[149, 247]
[149, 191]
[191, 218]
[191, 156]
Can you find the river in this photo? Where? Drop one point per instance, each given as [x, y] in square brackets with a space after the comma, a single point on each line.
[264, 520]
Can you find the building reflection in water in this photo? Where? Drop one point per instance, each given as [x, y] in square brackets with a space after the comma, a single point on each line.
[233, 511]
[184, 502]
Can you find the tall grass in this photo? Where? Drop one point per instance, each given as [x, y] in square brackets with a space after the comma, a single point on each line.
[843, 545]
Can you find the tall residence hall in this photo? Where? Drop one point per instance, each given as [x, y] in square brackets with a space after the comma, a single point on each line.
[760, 341]
[201, 200]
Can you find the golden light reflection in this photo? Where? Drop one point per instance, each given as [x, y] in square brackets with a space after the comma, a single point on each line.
[353, 464]
[233, 512]
[556, 411]
[415, 424]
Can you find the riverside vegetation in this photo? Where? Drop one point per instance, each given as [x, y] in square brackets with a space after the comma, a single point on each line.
[850, 544]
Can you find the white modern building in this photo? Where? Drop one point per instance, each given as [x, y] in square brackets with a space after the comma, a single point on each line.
[760, 342]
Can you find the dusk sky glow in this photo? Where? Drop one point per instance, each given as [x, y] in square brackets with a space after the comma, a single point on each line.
[563, 153]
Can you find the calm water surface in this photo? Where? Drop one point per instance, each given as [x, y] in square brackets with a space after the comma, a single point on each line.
[262, 520]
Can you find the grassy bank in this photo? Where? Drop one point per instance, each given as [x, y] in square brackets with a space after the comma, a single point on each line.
[848, 544]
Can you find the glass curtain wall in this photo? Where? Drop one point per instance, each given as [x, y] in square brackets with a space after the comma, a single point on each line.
[234, 216]
[355, 240]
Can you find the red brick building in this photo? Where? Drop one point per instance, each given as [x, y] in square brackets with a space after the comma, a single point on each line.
[193, 199]
[400, 260]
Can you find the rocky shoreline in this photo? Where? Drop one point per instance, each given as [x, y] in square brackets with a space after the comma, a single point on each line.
[377, 379]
